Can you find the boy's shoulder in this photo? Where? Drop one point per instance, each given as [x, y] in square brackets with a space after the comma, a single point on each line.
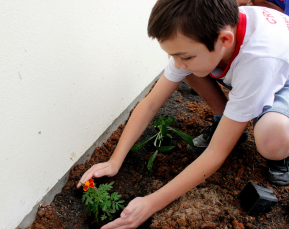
[266, 30]
[259, 18]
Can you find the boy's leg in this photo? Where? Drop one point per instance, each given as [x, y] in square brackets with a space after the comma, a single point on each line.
[271, 133]
[210, 91]
[272, 136]
[272, 141]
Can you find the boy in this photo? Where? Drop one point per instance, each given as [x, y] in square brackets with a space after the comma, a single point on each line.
[279, 5]
[247, 50]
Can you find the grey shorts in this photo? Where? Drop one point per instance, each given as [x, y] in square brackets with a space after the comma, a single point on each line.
[280, 104]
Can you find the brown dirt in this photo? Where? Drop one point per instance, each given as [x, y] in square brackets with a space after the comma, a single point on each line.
[213, 204]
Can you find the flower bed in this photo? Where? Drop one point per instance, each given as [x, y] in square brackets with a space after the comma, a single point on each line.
[213, 204]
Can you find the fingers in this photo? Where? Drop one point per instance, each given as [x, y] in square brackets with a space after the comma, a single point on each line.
[126, 212]
[119, 224]
[127, 218]
[97, 170]
[130, 208]
[132, 216]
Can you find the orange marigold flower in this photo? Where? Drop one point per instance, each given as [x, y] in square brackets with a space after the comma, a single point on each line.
[85, 188]
[91, 183]
[86, 183]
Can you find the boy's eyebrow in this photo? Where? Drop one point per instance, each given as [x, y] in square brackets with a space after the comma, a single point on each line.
[178, 53]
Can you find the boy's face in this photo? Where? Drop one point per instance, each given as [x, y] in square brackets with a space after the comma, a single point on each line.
[193, 56]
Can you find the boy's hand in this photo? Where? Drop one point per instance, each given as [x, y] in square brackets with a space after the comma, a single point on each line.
[98, 170]
[137, 212]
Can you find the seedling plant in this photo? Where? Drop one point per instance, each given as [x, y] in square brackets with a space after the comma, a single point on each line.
[97, 199]
[163, 128]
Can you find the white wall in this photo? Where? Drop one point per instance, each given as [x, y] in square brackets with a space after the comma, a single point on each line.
[68, 68]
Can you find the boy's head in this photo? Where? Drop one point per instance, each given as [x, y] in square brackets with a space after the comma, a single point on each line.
[200, 20]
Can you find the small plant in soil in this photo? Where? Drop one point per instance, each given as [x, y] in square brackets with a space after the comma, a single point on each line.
[163, 127]
[97, 199]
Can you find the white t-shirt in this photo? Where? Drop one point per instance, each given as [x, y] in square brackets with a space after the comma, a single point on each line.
[259, 67]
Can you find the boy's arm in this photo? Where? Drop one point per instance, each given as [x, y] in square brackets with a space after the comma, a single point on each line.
[139, 120]
[142, 116]
[224, 139]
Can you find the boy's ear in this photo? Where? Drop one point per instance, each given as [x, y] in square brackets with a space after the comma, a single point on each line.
[226, 38]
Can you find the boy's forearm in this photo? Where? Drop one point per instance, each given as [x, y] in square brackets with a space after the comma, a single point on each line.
[141, 117]
[224, 139]
[139, 120]
[193, 175]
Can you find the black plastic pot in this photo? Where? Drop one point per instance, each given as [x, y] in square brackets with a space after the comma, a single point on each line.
[255, 199]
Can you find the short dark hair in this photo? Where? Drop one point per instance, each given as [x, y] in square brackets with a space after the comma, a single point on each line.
[201, 20]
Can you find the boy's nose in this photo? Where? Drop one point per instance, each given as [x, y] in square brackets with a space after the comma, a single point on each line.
[179, 64]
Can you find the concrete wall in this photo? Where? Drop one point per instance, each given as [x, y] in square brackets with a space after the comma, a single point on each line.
[68, 69]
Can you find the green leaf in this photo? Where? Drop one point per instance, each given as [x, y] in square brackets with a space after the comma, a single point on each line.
[186, 137]
[158, 121]
[163, 128]
[96, 211]
[141, 144]
[155, 141]
[121, 206]
[151, 160]
[113, 211]
[115, 196]
[170, 136]
[103, 217]
[169, 120]
[164, 148]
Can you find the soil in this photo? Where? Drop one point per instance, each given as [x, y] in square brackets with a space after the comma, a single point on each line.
[212, 204]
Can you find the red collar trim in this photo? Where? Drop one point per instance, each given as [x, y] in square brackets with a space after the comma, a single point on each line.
[241, 30]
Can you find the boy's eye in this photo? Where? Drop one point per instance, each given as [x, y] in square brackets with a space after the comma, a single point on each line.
[186, 59]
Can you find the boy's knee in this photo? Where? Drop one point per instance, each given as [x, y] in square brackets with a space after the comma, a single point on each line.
[272, 137]
[273, 150]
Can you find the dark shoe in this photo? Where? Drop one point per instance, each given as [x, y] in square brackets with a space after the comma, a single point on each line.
[202, 141]
[278, 172]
